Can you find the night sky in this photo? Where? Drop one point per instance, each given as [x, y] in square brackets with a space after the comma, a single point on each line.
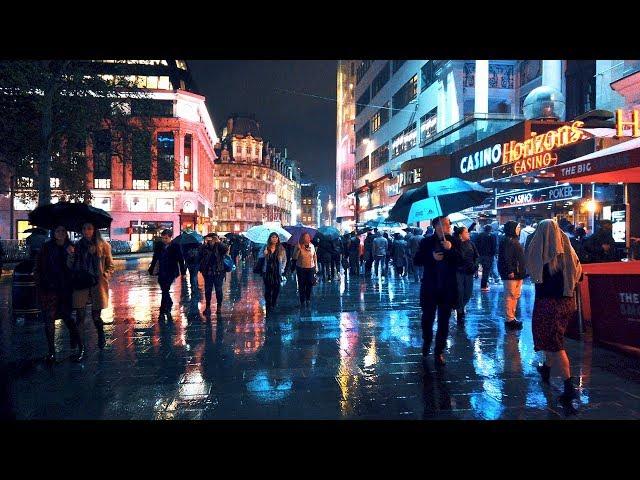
[305, 125]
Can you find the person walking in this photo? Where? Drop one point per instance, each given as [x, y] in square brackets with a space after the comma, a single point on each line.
[379, 249]
[323, 247]
[336, 253]
[487, 249]
[414, 246]
[275, 261]
[354, 255]
[468, 264]
[91, 266]
[53, 278]
[345, 242]
[167, 263]
[368, 253]
[511, 265]
[211, 255]
[438, 293]
[307, 267]
[407, 238]
[388, 255]
[192, 262]
[555, 269]
[400, 254]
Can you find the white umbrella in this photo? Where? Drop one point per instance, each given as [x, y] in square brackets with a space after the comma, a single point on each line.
[260, 233]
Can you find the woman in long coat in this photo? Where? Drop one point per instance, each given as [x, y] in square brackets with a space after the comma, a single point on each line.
[275, 261]
[91, 256]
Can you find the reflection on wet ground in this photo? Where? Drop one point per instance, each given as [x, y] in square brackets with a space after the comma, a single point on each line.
[356, 354]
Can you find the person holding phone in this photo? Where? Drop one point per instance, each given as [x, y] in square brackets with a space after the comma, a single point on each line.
[439, 255]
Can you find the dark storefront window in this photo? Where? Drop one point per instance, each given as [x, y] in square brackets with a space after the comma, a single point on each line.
[406, 93]
[148, 229]
[379, 156]
[381, 79]
[102, 159]
[141, 160]
[362, 134]
[580, 87]
[166, 160]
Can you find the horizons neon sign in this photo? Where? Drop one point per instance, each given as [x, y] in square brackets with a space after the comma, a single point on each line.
[621, 124]
[538, 151]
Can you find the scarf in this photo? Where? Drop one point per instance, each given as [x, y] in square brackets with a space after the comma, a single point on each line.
[549, 245]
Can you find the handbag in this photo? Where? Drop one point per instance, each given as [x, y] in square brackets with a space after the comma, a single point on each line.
[81, 280]
[229, 266]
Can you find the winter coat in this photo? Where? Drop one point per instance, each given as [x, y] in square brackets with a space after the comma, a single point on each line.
[400, 252]
[354, 246]
[282, 258]
[102, 261]
[511, 254]
[414, 242]
[486, 243]
[176, 262]
[380, 245]
[439, 280]
[211, 259]
[51, 272]
[468, 257]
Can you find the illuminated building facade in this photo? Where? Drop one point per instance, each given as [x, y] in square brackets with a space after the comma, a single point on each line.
[166, 185]
[254, 182]
[345, 144]
[309, 208]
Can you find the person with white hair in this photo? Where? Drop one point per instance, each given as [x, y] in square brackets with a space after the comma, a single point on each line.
[555, 269]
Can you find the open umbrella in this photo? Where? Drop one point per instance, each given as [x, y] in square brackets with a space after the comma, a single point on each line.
[297, 231]
[70, 215]
[188, 237]
[260, 233]
[329, 232]
[438, 198]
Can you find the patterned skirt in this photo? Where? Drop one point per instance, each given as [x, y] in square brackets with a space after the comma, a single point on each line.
[550, 319]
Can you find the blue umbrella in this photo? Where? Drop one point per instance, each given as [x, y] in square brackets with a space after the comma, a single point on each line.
[188, 237]
[297, 231]
[438, 198]
[260, 233]
[329, 232]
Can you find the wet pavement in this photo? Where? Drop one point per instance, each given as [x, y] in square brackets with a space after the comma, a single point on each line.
[356, 354]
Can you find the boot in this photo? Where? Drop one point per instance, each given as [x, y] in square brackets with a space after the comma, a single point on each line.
[570, 392]
[545, 372]
[97, 321]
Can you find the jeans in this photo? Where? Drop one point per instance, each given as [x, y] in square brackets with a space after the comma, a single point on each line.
[193, 278]
[305, 283]
[354, 263]
[512, 290]
[166, 303]
[271, 292]
[381, 260]
[335, 265]
[487, 265]
[211, 282]
[494, 270]
[465, 289]
[418, 271]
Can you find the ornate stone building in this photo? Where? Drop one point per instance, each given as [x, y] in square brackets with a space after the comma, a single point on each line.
[253, 181]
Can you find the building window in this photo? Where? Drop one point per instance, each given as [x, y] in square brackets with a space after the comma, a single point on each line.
[363, 101]
[381, 79]
[144, 107]
[225, 199]
[380, 118]
[529, 70]
[379, 156]
[500, 75]
[363, 133]
[141, 184]
[102, 159]
[166, 161]
[141, 159]
[362, 167]
[101, 183]
[428, 74]
[103, 203]
[406, 93]
[404, 141]
[362, 69]
[397, 64]
[429, 125]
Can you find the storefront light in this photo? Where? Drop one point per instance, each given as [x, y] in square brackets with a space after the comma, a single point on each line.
[591, 206]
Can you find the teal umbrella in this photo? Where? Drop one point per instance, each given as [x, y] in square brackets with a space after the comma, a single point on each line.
[188, 237]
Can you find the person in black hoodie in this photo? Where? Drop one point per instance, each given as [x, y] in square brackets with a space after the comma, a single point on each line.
[487, 248]
[167, 264]
[511, 265]
[468, 264]
[439, 254]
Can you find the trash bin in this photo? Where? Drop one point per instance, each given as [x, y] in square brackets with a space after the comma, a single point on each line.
[24, 294]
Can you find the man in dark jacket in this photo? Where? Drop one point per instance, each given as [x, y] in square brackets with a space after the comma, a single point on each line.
[368, 253]
[601, 246]
[511, 265]
[486, 243]
[167, 264]
[439, 289]
[414, 246]
[354, 255]
[336, 252]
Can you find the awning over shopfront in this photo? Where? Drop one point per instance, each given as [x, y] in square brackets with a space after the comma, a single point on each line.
[619, 163]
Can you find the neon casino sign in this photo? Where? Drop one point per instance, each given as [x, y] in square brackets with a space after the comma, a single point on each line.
[537, 152]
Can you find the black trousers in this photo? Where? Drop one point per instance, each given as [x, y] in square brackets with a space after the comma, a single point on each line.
[487, 265]
[165, 284]
[271, 292]
[305, 283]
[57, 304]
[430, 305]
[211, 282]
[354, 263]
[335, 265]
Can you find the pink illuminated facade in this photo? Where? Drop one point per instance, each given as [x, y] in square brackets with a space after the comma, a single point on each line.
[345, 145]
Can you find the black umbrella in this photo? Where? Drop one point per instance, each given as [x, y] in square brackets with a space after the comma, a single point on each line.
[70, 215]
[37, 230]
[438, 198]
